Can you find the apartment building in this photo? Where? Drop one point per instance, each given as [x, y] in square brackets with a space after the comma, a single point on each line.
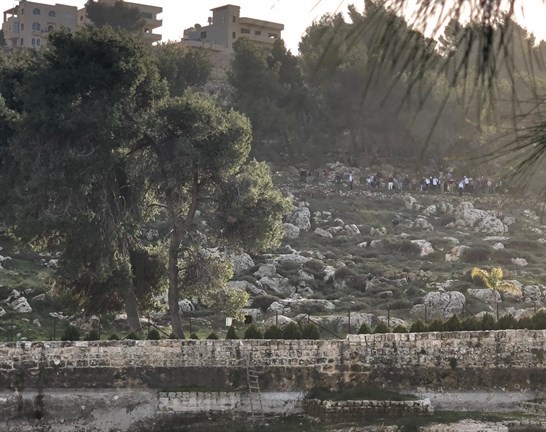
[226, 26]
[149, 13]
[29, 23]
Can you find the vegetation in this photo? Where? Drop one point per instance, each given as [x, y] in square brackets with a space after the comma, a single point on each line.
[368, 392]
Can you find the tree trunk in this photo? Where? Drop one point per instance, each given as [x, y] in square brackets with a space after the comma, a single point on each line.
[131, 308]
[174, 249]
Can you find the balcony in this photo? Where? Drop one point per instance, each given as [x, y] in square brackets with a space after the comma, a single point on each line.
[153, 23]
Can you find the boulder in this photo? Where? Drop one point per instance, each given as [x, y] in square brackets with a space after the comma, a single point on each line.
[2, 312]
[422, 224]
[277, 307]
[278, 320]
[291, 231]
[305, 276]
[445, 207]
[297, 304]
[323, 233]
[440, 304]
[329, 273]
[480, 220]
[531, 293]
[301, 217]
[376, 243]
[279, 285]
[509, 220]
[485, 295]
[4, 260]
[249, 287]
[520, 262]
[37, 323]
[498, 246]
[242, 263]
[381, 231]
[21, 305]
[451, 240]
[425, 247]
[456, 253]
[186, 306]
[410, 203]
[351, 230]
[290, 259]
[268, 270]
[430, 210]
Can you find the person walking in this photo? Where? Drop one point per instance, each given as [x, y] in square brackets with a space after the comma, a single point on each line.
[351, 181]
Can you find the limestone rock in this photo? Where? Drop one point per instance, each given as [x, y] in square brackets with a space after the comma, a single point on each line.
[498, 246]
[4, 260]
[440, 304]
[480, 220]
[329, 273]
[430, 210]
[297, 304]
[487, 296]
[378, 231]
[351, 230]
[2, 312]
[301, 217]
[520, 262]
[279, 285]
[305, 276]
[466, 426]
[291, 231]
[241, 263]
[278, 320]
[21, 305]
[268, 270]
[422, 224]
[249, 287]
[452, 240]
[376, 243]
[186, 306]
[410, 203]
[425, 246]
[290, 259]
[37, 323]
[509, 220]
[323, 233]
[456, 253]
[533, 293]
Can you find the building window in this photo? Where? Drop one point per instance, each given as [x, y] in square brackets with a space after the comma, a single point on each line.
[258, 33]
[36, 11]
[22, 41]
[203, 35]
[234, 19]
[38, 42]
[272, 36]
[33, 41]
[23, 11]
[245, 31]
[15, 27]
[22, 27]
[147, 15]
[52, 14]
[233, 35]
[36, 26]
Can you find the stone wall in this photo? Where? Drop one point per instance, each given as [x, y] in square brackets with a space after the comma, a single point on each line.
[511, 360]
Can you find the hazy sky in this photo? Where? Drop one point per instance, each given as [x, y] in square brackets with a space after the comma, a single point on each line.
[296, 15]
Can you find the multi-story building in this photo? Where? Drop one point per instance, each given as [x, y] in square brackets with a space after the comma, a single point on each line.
[149, 13]
[29, 23]
[226, 26]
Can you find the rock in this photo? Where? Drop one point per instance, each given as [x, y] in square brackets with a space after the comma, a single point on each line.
[430, 210]
[492, 225]
[445, 207]
[351, 230]
[186, 306]
[40, 298]
[256, 314]
[241, 263]
[290, 259]
[277, 307]
[496, 238]
[480, 220]
[385, 294]
[335, 230]
[364, 244]
[268, 270]
[279, 285]
[291, 231]
[422, 224]
[466, 426]
[249, 287]
[440, 304]
[13, 296]
[37, 323]
[410, 203]
[297, 304]
[305, 276]
[339, 222]
[4, 260]
[509, 220]
[487, 296]
[531, 293]
[541, 240]
[21, 305]
[378, 231]
[278, 320]
[520, 262]
[531, 215]
[52, 264]
[329, 273]
[498, 246]
[425, 246]
[2, 312]
[456, 253]
[376, 243]
[301, 217]
[323, 233]
[452, 240]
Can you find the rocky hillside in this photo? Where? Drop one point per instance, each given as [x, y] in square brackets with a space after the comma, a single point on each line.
[348, 257]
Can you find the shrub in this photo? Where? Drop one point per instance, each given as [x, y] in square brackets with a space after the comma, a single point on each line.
[476, 254]
[419, 326]
[314, 265]
[212, 336]
[453, 324]
[113, 336]
[310, 331]
[364, 329]
[93, 335]
[71, 333]
[232, 333]
[153, 334]
[507, 322]
[193, 335]
[132, 336]
[488, 322]
[273, 332]
[437, 325]
[410, 248]
[471, 323]
[399, 329]
[539, 320]
[253, 332]
[263, 302]
[343, 273]
[381, 328]
[525, 323]
[291, 331]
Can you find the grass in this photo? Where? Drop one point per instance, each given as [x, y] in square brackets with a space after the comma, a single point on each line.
[359, 393]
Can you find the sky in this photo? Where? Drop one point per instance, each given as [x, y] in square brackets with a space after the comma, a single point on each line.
[296, 15]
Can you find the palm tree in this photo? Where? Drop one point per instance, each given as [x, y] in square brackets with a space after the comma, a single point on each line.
[493, 280]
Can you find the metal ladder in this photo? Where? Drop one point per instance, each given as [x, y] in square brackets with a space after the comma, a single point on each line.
[254, 393]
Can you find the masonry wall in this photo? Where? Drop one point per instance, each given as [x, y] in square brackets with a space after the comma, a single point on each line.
[512, 360]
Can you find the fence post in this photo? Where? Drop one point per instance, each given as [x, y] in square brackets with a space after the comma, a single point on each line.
[276, 318]
[426, 319]
[389, 317]
[54, 328]
[349, 320]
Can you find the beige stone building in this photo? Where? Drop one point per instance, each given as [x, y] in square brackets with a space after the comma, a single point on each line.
[226, 26]
[29, 23]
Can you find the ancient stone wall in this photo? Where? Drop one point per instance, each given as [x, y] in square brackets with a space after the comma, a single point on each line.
[511, 360]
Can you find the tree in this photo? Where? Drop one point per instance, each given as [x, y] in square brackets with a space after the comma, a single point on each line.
[199, 152]
[78, 187]
[2, 39]
[493, 280]
[120, 16]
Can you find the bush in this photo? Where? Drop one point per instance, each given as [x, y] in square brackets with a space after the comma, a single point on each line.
[315, 266]
[453, 324]
[471, 323]
[93, 335]
[364, 329]
[381, 328]
[193, 335]
[273, 332]
[507, 322]
[291, 331]
[437, 325]
[113, 336]
[476, 254]
[525, 323]
[263, 302]
[232, 333]
[132, 336]
[310, 331]
[419, 326]
[253, 332]
[539, 320]
[212, 336]
[399, 329]
[488, 322]
[343, 273]
[153, 334]
[410, 248]
[71, 333]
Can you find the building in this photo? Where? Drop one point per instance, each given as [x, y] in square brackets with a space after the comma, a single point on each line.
[226, 26]
[29, 23]
[149, 13]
